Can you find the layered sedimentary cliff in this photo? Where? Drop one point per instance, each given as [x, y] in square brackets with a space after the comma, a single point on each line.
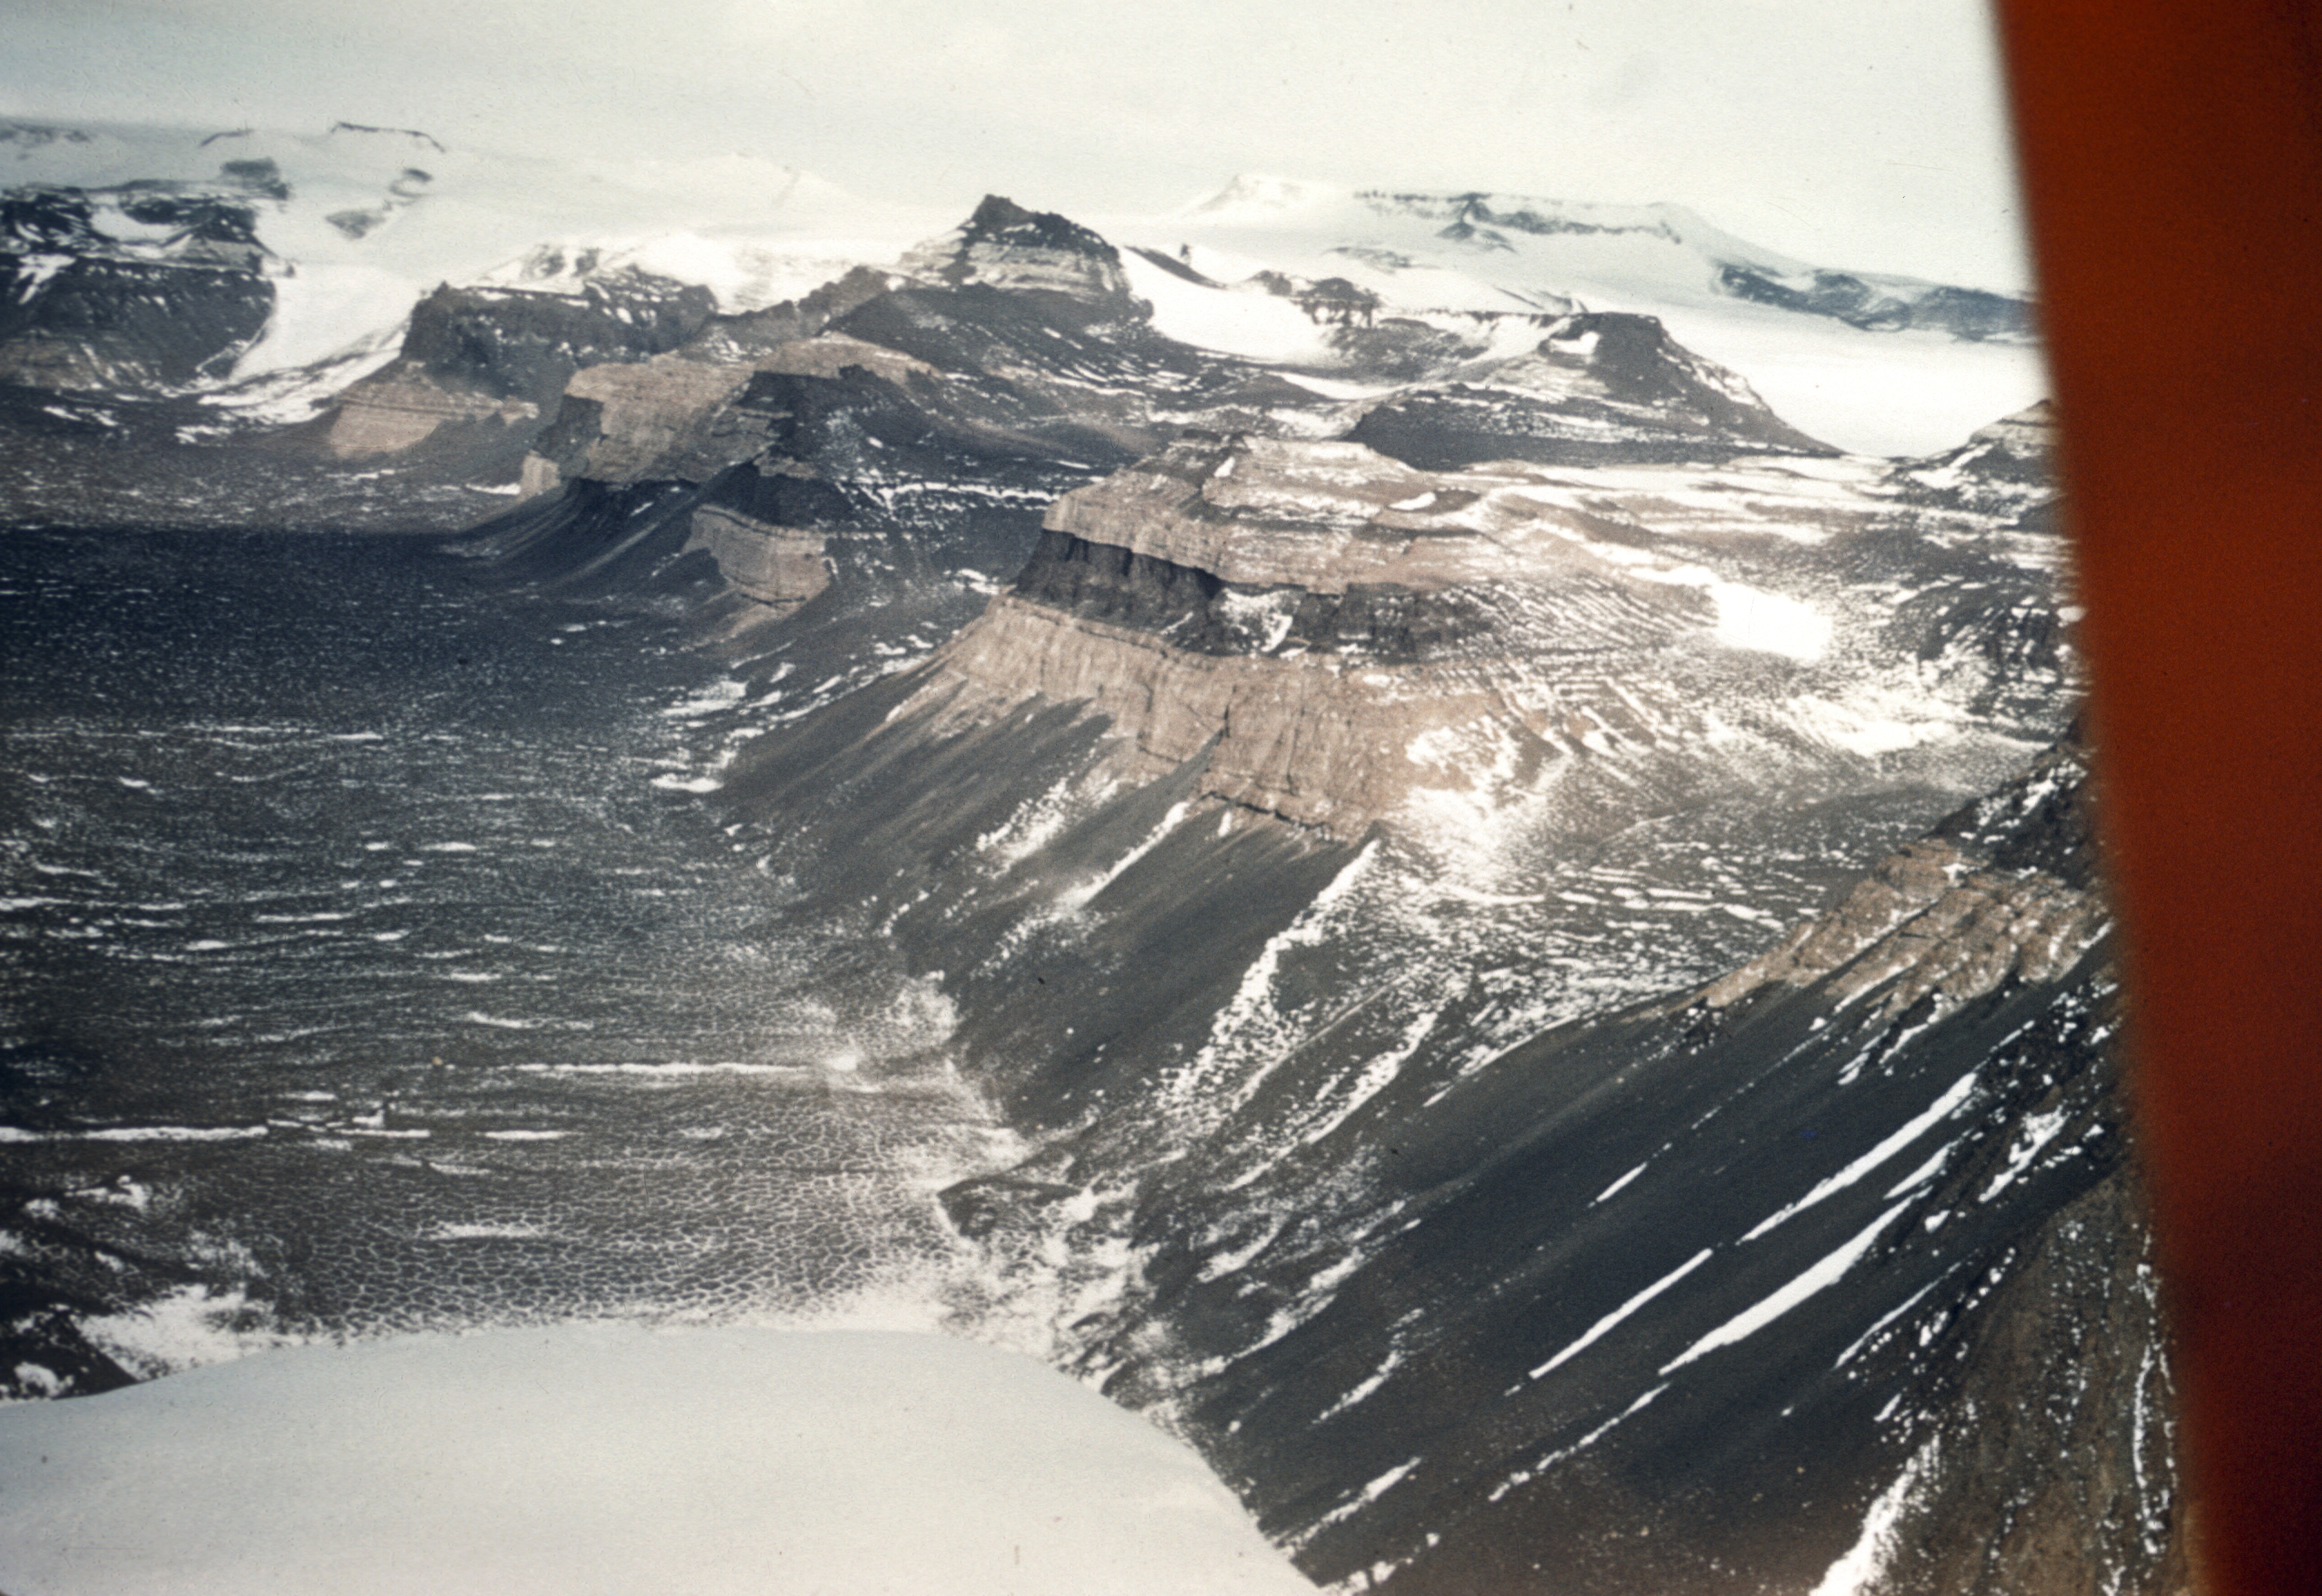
[780, 567]
[480, 367]
[1339, 636]
[1471, 1277]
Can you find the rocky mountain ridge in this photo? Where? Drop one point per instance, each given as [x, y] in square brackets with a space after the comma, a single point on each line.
[345, 215]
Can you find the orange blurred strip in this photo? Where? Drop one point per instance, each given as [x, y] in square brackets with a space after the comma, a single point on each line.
[2172, 158]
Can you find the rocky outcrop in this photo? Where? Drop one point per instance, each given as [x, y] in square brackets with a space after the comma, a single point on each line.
[778, 566]
[2002, 893]
[1332, 630]
[1005, 246]
[2007, 468]
[673, 418]
[681, 418]
[391, 414]
[1598, 389]
[145, 289]
[1341, 636]
[480, 367]
[743, 336]
[1884, 304]
[1307, 739]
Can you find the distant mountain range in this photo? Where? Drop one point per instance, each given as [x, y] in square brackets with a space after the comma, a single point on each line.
[324, 245]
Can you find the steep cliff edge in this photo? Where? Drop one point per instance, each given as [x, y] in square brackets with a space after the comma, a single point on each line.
[1444, 1142]
[1343, 639]
[481, 368]
[1621, 719]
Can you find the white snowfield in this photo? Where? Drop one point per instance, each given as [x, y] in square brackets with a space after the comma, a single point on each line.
[591, 1458]
[1881, 393]
[377, 217]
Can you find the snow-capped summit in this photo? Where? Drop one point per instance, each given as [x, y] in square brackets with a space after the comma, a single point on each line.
[1254, 194]
[1598, 387]
[1005, 246]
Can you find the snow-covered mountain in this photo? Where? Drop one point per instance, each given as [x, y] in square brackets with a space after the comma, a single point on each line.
[1874, 363]
[346, 230]
[309, 251]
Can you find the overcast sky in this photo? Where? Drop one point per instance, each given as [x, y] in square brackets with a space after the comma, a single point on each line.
[1865, 133]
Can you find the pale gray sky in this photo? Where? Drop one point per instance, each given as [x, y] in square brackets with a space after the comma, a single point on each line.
[1864, 133]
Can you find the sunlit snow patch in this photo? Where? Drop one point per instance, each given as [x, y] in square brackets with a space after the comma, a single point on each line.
[1751, 618]
[1860, 1569]
[599, 1458]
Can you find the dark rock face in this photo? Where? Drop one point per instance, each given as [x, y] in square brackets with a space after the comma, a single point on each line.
[1196, 610]
[1085, 377]
[2067, 1363]
[114, 326]
[1601, 389]
[133, 291]
[511, 343]
[1668, 1297]
[910, 800]
[1481, 218]
[1885, 306]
